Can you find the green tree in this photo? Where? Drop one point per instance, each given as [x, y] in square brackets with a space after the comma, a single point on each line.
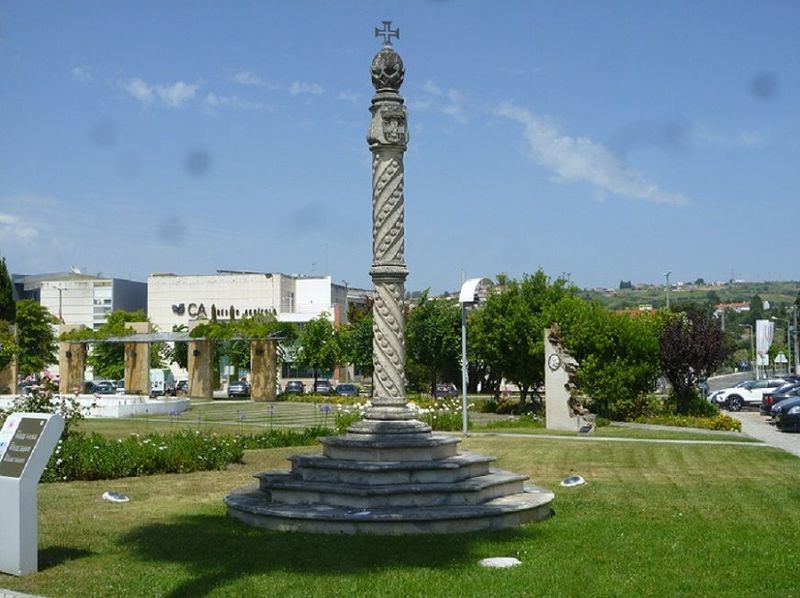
[319, 349]
[354, 342]
[433, 338]
[507, 332]
[8, 344]
[108, 359]
[179, 354]
[35, 337]
[756, 309]
[693, 345]
[618, 354]
[7, 304]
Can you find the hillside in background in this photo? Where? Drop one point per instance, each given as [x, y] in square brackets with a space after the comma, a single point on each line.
[779, 294]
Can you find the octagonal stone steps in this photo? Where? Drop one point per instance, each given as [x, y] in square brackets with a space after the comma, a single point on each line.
[390, 483]
[319, 468]
[254, 508]
[284, 488]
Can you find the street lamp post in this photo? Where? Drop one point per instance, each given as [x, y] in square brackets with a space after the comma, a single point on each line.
[473, 291]
[60, 315]
[788, 342]
[666, 275]
[796, 346]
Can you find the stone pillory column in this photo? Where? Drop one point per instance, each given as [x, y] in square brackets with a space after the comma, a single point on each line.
[390, 474]
[387, 139]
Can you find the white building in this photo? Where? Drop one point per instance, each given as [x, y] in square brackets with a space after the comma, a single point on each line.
[174, 300]
[82, 299]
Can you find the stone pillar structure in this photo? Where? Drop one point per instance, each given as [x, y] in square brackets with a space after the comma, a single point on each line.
[263, 374]
[201, 355]
[388, 139]
[71, 367]
[71, 363]
[10, 373]
[137, 362]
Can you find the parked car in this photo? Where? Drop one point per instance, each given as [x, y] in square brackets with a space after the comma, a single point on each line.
[162, 382]
[322, 387]
[182, 387]
[747, 394]
[119, 386]
[445, 391]
[104, 387]
[786, 415]
[712, 397]
[239, 388]
[347, 390]
[773, 397]
[295, 387]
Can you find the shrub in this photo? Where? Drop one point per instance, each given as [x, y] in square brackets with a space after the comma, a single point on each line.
[44, 400]
[93, 457]
[440, 415]
[508, 407]
[719, 422]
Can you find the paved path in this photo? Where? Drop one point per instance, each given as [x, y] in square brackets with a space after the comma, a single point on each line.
[592, 438]
[757, 426]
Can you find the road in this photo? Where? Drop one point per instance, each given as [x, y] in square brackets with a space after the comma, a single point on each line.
[754, 424]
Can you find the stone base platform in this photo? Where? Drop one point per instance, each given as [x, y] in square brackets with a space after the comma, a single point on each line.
[254, 507]
[390, 484]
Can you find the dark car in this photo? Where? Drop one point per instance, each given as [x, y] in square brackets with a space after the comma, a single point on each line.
[294, 387]
[773, 397]
[322, 387]
[347, 390]
[182, 387]
[444, 391]
[101, 387]
[239, 388]
[786, 415]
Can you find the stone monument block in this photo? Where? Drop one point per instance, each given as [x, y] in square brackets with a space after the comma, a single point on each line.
[559, 370]
[263, 374]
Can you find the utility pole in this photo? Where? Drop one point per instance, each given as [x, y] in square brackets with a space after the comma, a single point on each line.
[666, 275]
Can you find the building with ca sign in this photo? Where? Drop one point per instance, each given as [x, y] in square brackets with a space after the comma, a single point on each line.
[175, 300]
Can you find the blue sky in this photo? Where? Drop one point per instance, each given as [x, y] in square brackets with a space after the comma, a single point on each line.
[606, 140]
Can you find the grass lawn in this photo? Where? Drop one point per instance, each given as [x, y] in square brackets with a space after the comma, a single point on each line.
[654, 519]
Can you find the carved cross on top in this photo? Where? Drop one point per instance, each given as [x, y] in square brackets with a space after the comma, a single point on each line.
[387, 32]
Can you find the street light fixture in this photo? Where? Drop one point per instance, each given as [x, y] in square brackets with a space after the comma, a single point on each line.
[788, 342]
[666, 275]
[473, 291]
[60, 316]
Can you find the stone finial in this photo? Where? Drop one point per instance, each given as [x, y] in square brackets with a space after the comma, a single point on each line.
[387, 70]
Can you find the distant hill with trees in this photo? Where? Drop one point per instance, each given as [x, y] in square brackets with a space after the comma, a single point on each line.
[779, 294]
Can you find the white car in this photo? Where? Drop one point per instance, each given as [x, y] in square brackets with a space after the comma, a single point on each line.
[745, 393]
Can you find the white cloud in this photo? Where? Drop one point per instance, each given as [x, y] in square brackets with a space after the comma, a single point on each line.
[350, 96]
[82, 73]
[581, 159]
[216, 101]
[743, 139]
[248, 78]
[174, 95]
[299, 87]
[752, 138]
[449, 102]
[13, 229]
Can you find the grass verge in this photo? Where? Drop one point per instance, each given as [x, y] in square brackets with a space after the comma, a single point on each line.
[667, 520]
